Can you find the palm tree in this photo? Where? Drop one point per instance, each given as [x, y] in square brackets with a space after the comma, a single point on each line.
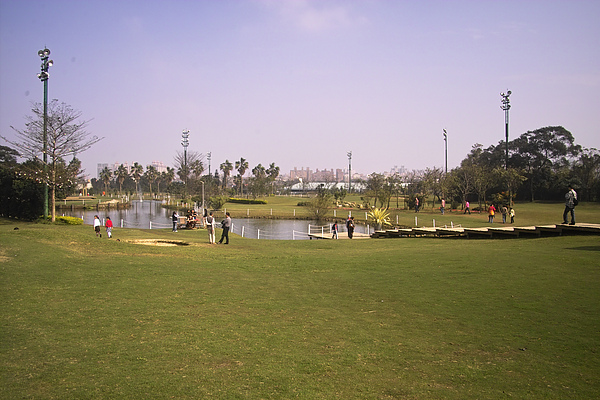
[226, 167]
[121, 174]
[151, 175]
[241, 167]
[136, 173]
[272, 173]
[105, 176]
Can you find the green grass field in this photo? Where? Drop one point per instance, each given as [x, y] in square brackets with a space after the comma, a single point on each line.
[418, 318]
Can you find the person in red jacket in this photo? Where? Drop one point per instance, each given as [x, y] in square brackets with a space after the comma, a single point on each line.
[109, 226]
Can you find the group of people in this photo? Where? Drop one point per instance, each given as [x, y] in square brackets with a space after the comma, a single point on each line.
[504, 210]
[108, 224]
[209, 222]
[349, 228]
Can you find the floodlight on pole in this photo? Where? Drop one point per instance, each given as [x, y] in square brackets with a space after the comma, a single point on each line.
[506, 106]
[43, 76]
[349, 154]
[185, 142]
[446, 148]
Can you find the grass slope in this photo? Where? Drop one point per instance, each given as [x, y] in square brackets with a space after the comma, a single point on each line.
[87, 318]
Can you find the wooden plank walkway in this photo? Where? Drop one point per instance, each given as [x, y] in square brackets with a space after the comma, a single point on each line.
[492, 231]
[341, 235]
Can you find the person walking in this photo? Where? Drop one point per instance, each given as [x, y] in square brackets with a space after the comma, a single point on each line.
[97, 226]
[210, 227]
[491, 213]
[175, 218]
[417, 204]
[334, 230]
[512, 215]
[442, 208]
[467, 208]
[570, 203]
[504, 212]
[226, 224]
[109, 226]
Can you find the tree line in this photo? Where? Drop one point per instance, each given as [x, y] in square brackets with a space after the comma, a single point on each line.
[541, 165]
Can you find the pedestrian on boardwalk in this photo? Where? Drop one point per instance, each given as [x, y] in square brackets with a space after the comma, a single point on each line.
[467, 208]
[109, 226]
[512, 215]
[570, 203]
[491, 213]
[350, 226]
[334, 230]
[175, 218]
[97, 226]
[210, 227]
[443, 207]
[504, 212]
[226, 225]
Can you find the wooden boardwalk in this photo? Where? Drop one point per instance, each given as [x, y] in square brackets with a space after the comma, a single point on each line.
[341, 235]
[501, 231]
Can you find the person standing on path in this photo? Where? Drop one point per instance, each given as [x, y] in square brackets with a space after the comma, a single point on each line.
[350, 225]
[467, 208]
[109, 226]
[175, 219]
[570, 203]
[334, 230]
[210, 227]
[97, 226]
[226, 225]
[443, 207]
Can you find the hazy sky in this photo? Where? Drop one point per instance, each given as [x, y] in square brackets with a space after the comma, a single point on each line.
[300, 82]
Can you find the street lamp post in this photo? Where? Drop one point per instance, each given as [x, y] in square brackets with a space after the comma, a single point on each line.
[446, 149]
[209, 156]
[349, 154]
[43, 75]
[185, 142]
[506, 106]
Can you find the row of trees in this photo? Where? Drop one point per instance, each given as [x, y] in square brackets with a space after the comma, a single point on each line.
[542, 163]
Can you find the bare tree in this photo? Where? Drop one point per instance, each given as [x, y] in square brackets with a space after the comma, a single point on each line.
[66, 135]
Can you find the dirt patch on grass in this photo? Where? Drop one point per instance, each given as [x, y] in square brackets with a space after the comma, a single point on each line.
[159, 242]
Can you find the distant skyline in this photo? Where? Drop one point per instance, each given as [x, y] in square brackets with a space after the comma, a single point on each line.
[302, 82]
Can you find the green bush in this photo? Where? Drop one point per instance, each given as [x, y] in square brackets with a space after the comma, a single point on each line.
[303, 203]
[69, 220]
[246, 201]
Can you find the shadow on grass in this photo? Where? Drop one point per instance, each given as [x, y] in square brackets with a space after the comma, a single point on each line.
[588, 248]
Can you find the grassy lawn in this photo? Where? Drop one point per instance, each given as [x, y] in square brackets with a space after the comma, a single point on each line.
[417, 318]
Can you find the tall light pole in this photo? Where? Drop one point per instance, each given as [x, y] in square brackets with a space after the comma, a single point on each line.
[349, 154]
[209, 156]
[43, 75]
[446, 148]
[506, 106]
[185, 142]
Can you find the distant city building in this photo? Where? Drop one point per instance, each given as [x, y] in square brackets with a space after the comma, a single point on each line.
[100, 168]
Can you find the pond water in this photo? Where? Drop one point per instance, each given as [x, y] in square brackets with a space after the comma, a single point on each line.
[150, 214]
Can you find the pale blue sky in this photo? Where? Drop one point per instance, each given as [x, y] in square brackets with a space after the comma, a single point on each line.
[300, 82]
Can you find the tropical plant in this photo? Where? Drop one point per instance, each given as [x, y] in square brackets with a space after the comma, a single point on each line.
[380, 217]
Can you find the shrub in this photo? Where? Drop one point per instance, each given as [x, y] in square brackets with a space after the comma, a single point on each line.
[303, 203]
[246, 201]
[69, 220]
